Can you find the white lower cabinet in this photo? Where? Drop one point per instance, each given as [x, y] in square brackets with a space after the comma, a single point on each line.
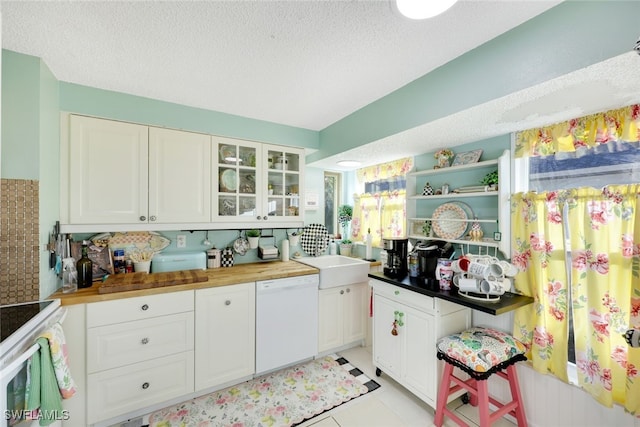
[224, 334]
[409, 355]
[140, 352]
[342, 316]
[118, 391]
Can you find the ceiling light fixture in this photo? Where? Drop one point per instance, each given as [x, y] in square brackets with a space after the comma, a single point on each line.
[423, 9]
[349, 163]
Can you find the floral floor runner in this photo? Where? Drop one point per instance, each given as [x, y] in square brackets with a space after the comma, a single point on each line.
[283, 398]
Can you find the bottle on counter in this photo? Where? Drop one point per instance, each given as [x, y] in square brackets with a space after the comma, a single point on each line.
[119, 265]
[84, 267]
[69, 276]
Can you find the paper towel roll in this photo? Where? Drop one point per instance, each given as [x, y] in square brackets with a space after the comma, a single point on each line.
[368, 255]
[285, 250]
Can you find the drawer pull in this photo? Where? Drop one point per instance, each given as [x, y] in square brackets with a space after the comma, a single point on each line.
[143, 218]
[397, 292]
[145, 340]
[145, 307]
[152, 217]
[227, 302]
[145, 386]
[348, 290]
[342, 292]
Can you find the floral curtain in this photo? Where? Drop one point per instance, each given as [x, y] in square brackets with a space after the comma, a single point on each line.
[383, 213]
[605, 248]
[604, 231]
[385, 170]
[582, 133]
[539, 254]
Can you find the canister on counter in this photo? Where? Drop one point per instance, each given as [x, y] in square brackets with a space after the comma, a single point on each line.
[213, 258]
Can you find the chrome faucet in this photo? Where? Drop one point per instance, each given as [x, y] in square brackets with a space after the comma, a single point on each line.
[317, 246]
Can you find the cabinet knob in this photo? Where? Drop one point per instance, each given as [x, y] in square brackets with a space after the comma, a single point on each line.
[145, 386]
[145, 307]
[143, 218]
[145, 340]
[152, 217]
[265, 217]
[227, 302]
[348, 290]
[259, 217]
[397, 292]
[342, 292]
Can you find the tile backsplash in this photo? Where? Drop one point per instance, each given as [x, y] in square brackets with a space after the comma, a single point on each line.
[19, 241]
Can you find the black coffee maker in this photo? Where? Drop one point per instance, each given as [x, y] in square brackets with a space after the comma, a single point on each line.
[428, 254]
[396, 265]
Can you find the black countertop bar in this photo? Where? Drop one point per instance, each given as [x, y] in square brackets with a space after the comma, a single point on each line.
[508, 302]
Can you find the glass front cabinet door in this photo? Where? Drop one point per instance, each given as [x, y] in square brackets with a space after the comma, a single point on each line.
[256, 182]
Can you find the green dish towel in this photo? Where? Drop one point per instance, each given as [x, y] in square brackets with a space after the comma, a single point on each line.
[43, 392]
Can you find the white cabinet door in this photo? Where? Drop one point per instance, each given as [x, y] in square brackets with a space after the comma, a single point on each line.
[225, 334]
[355, 312]
[387, 348]
[179, 176]
[330, 332]
[419, 356]
[283, 173]
[108, 171]
[342, 316]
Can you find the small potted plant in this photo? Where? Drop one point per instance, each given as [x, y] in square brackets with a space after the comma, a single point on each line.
[345, 214]
[491, 180]
[254, 237]
[345, 247]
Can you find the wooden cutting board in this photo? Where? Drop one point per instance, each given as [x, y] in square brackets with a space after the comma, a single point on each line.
[135, 281]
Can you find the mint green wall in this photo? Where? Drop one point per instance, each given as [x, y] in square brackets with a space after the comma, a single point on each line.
[20, 116]
[566, 38]
[30, 141]
[49, 174]
[120, 106]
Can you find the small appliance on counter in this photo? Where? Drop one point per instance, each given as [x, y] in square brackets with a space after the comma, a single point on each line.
[428, 254]
[177, 261]
[396, 264]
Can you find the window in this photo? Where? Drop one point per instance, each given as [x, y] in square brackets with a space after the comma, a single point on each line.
[332, 185]
[381, 205]
[577, 248]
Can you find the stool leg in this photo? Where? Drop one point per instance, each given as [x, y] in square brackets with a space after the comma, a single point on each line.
[443, 394]
[483, 403]
[514, 385]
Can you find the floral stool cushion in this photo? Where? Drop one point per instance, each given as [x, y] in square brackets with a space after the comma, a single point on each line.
[481, 352]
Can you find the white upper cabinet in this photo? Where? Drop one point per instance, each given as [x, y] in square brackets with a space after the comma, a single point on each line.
[118, 176]
[108, 171]
[179, 176]
[256, 183]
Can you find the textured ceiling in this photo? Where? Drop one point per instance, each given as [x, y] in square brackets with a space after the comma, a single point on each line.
[304, 63]
[299, 63]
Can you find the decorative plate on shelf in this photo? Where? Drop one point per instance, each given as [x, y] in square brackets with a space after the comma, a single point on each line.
[228, 181]
[314, 234]
[450, 221]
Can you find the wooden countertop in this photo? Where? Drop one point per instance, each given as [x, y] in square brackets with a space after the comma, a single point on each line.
[241, 273]
[508, 302]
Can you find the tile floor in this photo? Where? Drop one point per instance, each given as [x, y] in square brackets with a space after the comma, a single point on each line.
[389, 406]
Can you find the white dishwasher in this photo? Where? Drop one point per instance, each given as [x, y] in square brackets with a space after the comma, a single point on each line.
[286, 321]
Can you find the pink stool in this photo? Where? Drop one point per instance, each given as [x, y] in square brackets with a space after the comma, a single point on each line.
[480, 352]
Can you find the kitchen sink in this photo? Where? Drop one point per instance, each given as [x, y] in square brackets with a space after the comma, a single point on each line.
[338, 270]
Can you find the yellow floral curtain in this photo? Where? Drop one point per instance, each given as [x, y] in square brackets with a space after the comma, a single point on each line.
[383, 213]
[605, 243]
[582, 133]
[604, 231]
[385, 170]
[539, 254]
